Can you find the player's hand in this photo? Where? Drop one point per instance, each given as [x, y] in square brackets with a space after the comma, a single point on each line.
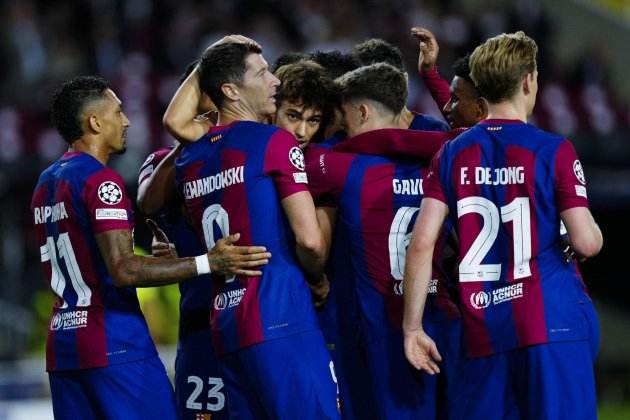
[429, 48]
[229, 260]
[320, 291]
[160, 245]
[422, 352]
[236, 39]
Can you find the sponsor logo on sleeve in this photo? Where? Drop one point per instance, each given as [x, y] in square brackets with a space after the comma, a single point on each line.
[580, 190]
[111, 214]
[296, 157]
[300, 178]
[579, 172]
[109, 193]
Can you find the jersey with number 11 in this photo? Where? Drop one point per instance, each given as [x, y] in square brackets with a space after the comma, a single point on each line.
[506, 183]
[233, 180]
[93, 323]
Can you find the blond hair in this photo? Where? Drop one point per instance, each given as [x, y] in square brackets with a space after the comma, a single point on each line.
[498, 65]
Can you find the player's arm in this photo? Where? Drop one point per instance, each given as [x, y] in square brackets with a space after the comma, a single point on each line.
[427, 59]
[310, 244]
[130, 270]
[159, 187]
[420, 349]
[585, 237]
[180, 116]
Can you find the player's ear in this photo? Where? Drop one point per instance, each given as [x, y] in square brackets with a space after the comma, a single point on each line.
[527, 83]
[94, 124]
[230, 90]
[482, 108]
[364, 110]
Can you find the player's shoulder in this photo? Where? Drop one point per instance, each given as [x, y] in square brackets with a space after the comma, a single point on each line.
[427, 122]
[156, 156]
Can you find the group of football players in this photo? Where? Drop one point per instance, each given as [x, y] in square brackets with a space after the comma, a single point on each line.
[338, 255]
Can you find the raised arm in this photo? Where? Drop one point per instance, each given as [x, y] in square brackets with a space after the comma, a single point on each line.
[180, 116]
[427, 59]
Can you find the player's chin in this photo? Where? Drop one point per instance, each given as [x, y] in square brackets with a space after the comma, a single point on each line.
[121, 150]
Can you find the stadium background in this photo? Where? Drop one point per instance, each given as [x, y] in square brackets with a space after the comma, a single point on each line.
[142, 46]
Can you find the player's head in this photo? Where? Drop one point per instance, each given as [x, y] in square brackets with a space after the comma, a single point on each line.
[237, 75]
[372, 97]
[288, 58]
[205, 103]
[377, 50]
[85, 108]
[466, 107]
[504, 68]
[335, 62]
[305, 100]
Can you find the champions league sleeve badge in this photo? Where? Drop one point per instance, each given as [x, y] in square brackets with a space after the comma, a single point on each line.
[109, 193]
[296, 157]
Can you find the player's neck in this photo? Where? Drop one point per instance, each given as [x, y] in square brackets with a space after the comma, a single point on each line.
[91, 148]
[507, 110]
[406, 117]
[229, 114]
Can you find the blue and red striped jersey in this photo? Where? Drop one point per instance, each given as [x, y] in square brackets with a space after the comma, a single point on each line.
[93, 323]
[425, 122]
[196, 296]
[377, 200]
[505, 183]
[233, 180]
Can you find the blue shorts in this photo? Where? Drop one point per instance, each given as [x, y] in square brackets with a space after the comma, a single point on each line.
[134, 390]
[545, 381]
[286, 378]
[198, 382]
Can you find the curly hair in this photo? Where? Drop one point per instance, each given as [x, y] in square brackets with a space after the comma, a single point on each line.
[377, 50]
[288, 58]
[224, 63]
[461, 69]
[380, 82]
[70, 99]
[335, 62]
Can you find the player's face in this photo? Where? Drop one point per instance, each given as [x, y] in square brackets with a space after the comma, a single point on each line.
[351, 119]
[464, 108]
[114, 123]
[258, 88]
[300, 121]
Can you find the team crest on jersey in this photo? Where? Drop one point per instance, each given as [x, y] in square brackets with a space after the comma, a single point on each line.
[296, 157]
[579, 172]
[109, 193]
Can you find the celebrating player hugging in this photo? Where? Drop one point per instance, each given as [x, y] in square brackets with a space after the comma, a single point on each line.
[338, 255]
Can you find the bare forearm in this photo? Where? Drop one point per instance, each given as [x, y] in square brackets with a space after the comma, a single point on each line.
[415, 287]
[137, 271]
[312, 264]
[179, 118]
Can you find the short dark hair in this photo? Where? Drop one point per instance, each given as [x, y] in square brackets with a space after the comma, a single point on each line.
[288, 58]
[189, 69]
[335, 62]
[308, 84]
[380, 82]
[461, 69]
[224, 63]
[377, 50]
[70, 99]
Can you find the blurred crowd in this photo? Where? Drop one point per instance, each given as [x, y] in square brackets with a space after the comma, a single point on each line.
[143, 46]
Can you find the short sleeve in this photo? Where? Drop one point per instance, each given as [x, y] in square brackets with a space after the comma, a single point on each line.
[327, 172]
[150, 163]
[107, 201]
[433, 187]
[570, 181]
[284, 161]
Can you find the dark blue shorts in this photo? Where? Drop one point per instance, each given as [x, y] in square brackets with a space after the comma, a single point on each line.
[134, 390]
[545, 381]
[286, 378]
[199, 387]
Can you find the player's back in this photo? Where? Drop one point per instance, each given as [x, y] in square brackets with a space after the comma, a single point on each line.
[502, 188]
[233, 180]
[93, 323]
